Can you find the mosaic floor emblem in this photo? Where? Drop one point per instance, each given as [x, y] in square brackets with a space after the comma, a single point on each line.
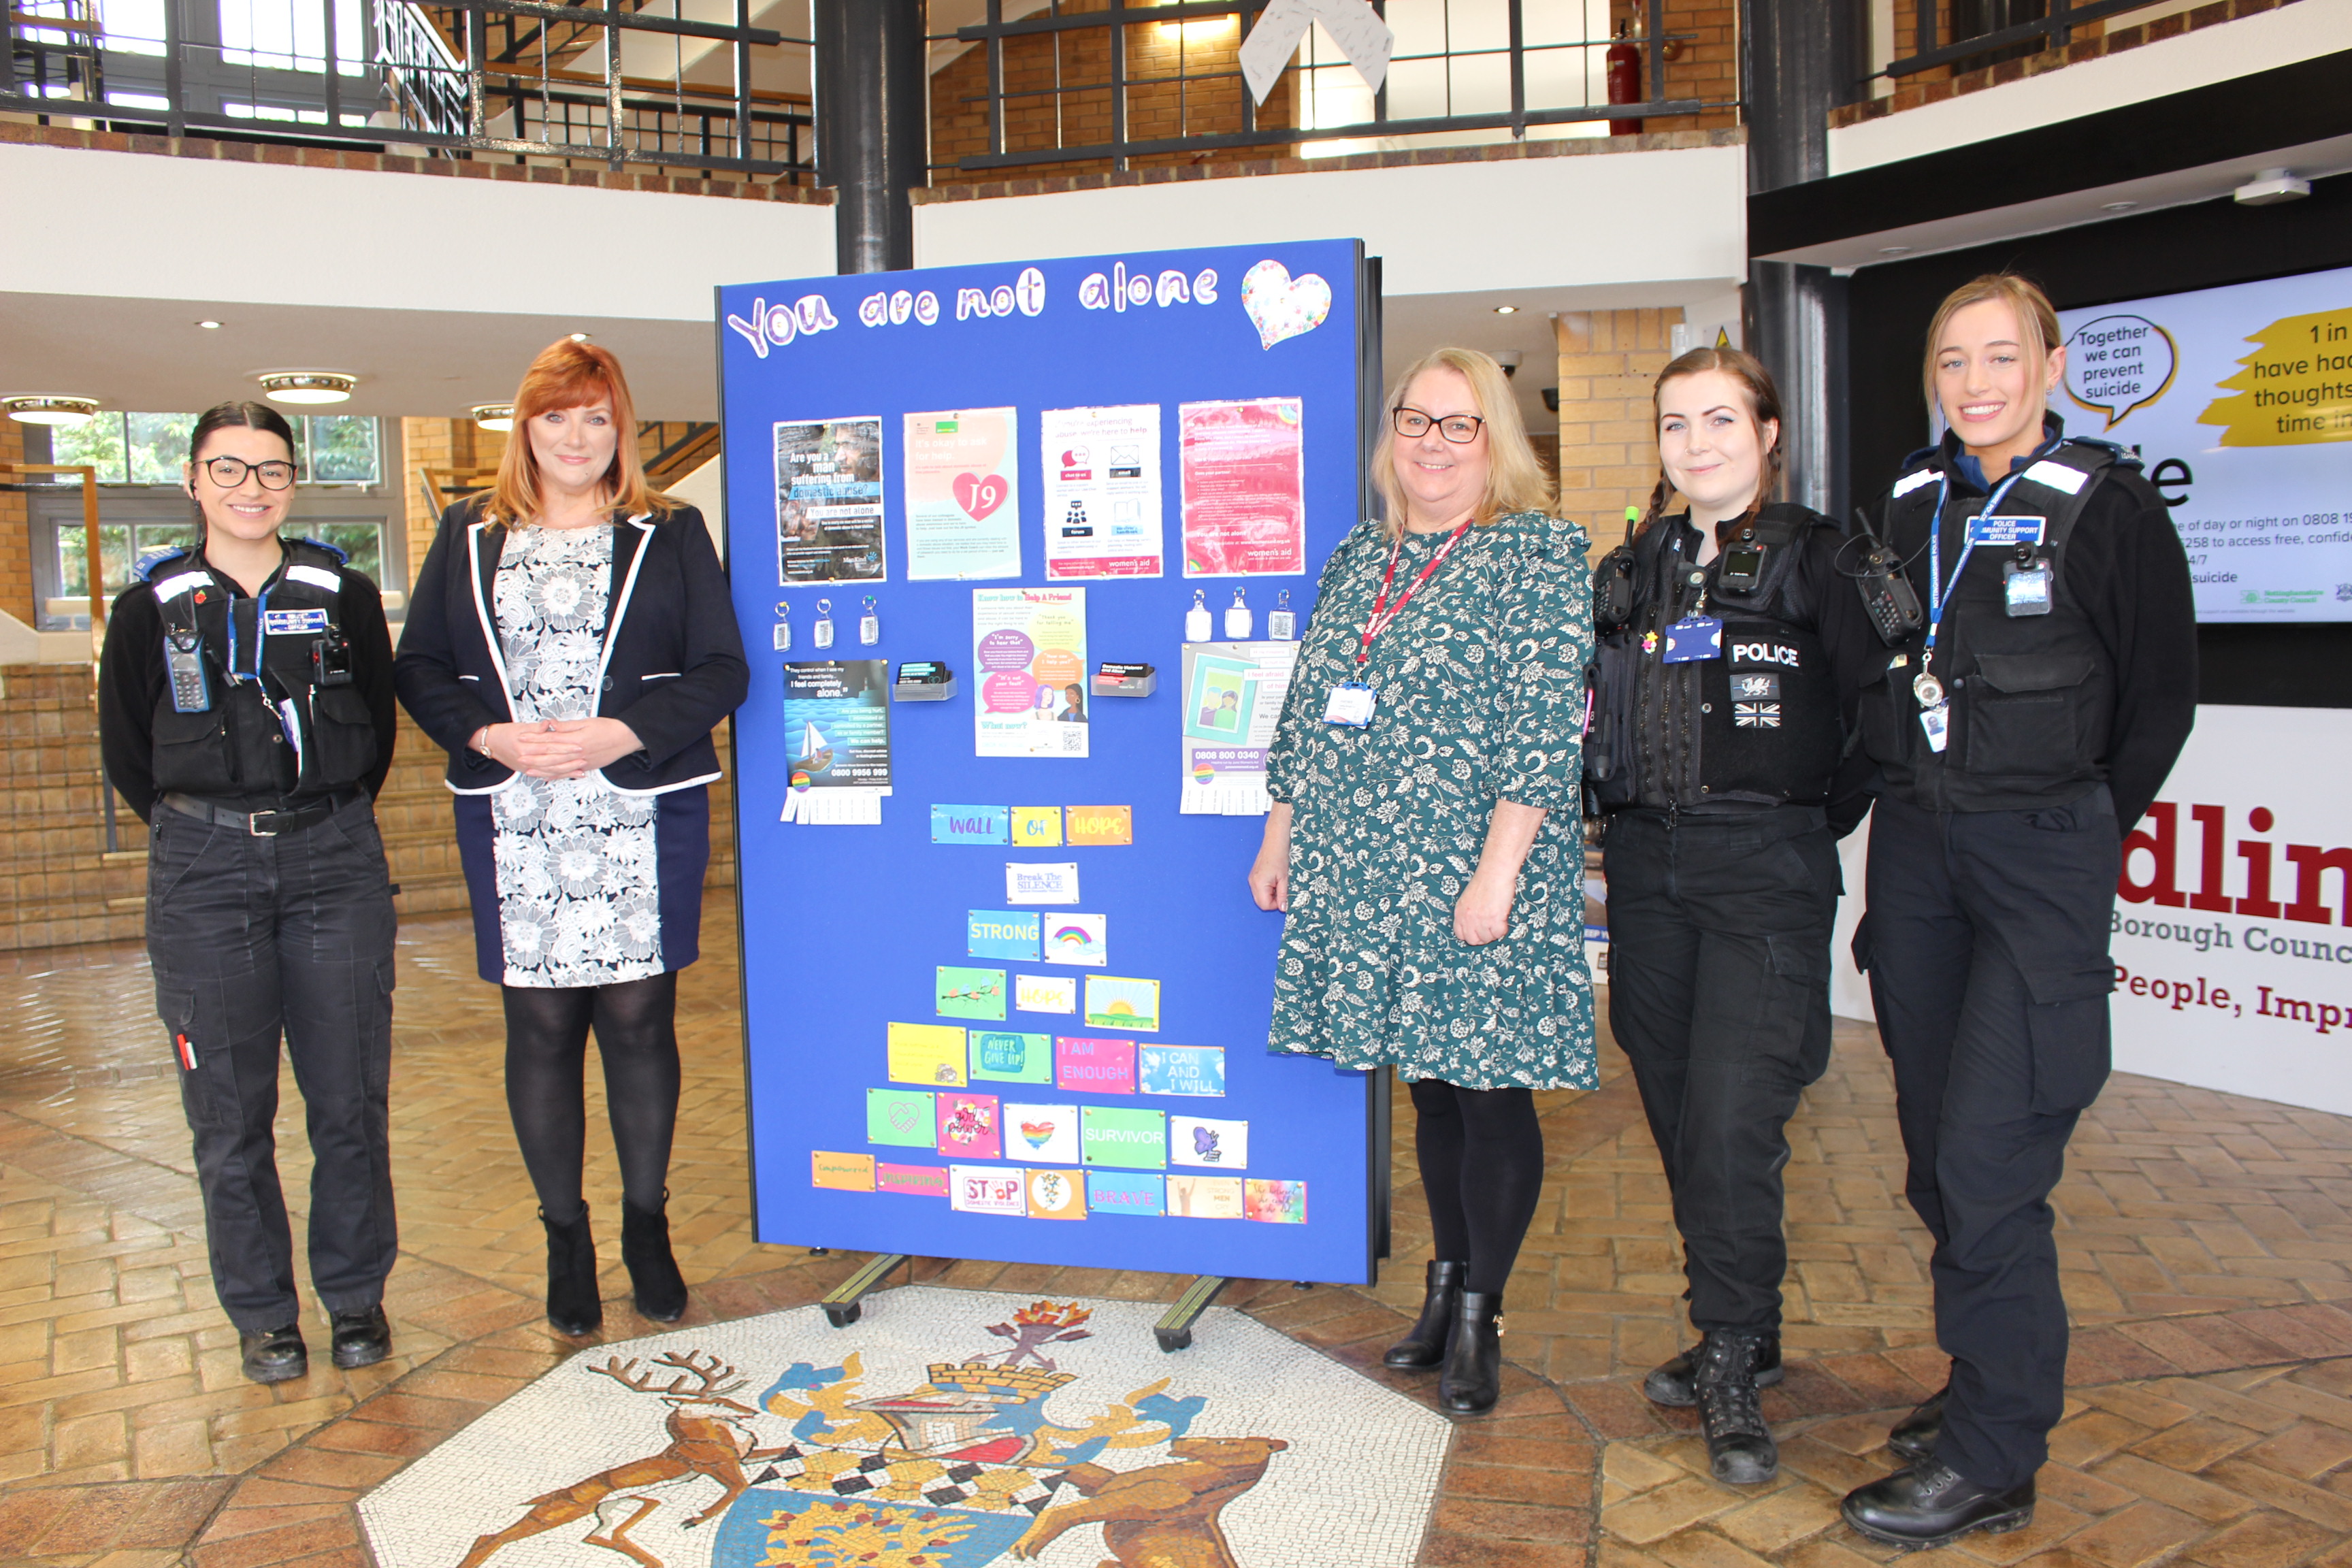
[947, 1429]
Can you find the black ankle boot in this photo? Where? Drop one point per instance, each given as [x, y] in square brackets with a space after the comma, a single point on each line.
[1914, 1437]
[1425, 1345]
[652, 1272]
[575, 1306]
[1472, 1378]
[1739, 1446]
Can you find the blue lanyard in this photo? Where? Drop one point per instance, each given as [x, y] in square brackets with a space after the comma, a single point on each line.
[1939, 591]
[260, 633]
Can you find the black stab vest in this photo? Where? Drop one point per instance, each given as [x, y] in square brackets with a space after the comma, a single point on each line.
[2033, 698]
[238, 748]
[1758, 727]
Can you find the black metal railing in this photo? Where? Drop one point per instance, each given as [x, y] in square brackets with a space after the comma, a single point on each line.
[1508, 83]
[1984, 33]
[622, 82]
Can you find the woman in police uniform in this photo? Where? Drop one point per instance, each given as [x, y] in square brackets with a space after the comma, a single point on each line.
[2018, 734]
[1730, 647]
[246, 714]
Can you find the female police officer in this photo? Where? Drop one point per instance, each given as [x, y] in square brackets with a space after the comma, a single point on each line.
[1730, 653]
[246, 714]
[2018, 734]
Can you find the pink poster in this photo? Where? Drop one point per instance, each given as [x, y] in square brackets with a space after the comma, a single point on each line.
[1244, 470]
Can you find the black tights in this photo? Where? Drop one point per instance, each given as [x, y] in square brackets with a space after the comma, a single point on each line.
[547, 1047]
[1482, 1161]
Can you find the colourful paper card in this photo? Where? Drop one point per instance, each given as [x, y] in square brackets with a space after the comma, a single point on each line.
[1126, 1192]
[926, 1053]
[1078, 938]
[846, 1173]
[1180, 1069]
[1000, 1057]
[1002, 934]
[987, 1189]
[967, 1127]
[1036, 828]
[899, 1116]
[1197, 1141]
[1276, 1203]
[970, 824]
[913, 1180]
[1113, 1135]
[1045, 993]
[1115, 1003]
[1047, 1134]
[1205, 1197]
[1102, 825]
[1095, 1067]
[1057, 1195]
[971, 993]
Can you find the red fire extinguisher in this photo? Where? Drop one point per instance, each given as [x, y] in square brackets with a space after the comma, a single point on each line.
[1624, 78]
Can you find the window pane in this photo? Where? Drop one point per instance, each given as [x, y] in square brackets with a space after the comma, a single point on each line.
[362, 541]
[73, 559]
[339, 450]
[159, 447]
[98, 442]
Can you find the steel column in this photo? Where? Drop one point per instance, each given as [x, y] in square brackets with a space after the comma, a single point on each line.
[872, 126]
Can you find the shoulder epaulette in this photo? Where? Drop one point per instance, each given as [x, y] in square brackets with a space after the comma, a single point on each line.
[145, 570]
[342, 556]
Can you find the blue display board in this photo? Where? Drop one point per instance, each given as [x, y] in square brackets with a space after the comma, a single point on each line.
[885, 432]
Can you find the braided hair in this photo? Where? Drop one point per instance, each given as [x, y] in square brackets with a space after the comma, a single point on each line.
[1763, 406]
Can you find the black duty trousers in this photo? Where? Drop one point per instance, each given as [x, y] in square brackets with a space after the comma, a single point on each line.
[1987, 946]
[1718, 993]
[251, 939]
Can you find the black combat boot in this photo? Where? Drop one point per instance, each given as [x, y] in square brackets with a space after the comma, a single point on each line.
[1669, 1383]
[1913, 1440]
[1739, 1446]
[1425, 1345]
[1933, 1504]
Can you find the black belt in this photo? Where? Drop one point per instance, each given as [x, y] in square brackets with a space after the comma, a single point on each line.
[259, 824]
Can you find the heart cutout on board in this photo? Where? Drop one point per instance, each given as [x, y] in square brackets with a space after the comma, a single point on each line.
[978, 496]
[1281, 306]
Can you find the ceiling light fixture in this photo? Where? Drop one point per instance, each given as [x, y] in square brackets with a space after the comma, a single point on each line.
[1507, 309]
[307, 386]
[1894, 250]
[494, 415]
[2271, 185]
[209, 326]
[2118, 207]
[580, 337]
[49, 408]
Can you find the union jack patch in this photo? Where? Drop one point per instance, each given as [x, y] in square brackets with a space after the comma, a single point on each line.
[1756, 715]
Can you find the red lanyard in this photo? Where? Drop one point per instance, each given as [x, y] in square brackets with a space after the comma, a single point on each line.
[1384, 613]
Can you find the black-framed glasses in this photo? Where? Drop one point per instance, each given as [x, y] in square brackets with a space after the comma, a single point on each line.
[229, 472]
[1459, 428]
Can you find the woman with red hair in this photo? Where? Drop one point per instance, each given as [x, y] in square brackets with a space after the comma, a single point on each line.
[571, 643]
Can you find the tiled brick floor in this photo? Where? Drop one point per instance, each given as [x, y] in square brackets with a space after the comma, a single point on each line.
[2205, 1245]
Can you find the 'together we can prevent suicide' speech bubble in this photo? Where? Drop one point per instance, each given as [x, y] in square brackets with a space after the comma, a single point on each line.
[2118, 364]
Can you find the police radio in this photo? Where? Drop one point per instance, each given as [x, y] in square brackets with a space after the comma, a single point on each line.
[1892, 604]
[1612, 590]
[1743, 564]
[184, 662]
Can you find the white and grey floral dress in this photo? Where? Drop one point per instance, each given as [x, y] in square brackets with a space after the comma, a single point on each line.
[577, 861]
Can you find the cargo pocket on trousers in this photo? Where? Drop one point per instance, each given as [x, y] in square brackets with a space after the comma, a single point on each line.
[175, 1003]
[2067, 1021]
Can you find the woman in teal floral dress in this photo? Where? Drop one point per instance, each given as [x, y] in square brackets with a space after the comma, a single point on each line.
[1425, 837]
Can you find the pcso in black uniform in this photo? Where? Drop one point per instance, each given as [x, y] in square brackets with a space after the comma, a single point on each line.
[2019, 733]
[246, 714]
[1730, 651]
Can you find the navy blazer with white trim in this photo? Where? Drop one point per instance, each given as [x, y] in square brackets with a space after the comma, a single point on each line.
[673, 659]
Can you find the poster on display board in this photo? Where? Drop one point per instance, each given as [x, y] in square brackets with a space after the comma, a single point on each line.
[1020, 1013]
[2230, 941]
[2239, 403]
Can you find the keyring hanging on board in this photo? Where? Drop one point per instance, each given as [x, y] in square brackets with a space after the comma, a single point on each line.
[1282, 621]
[869, 625]
[1196, 619]
[1237, 619]
[783, 627]
[820, 634]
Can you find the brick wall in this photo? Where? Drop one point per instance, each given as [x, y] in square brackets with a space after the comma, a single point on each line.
[1706, 66]
[442, 444]
[1608, 450]
[15, 533]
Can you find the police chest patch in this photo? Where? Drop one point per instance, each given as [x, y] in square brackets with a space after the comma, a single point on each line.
[1764, 652]
[1757, 686]
[1756, 715]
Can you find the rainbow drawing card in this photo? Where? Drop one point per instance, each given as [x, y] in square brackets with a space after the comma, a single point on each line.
[1078, 938]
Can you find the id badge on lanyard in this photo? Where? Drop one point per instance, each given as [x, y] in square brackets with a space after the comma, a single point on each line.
[1353, 702]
